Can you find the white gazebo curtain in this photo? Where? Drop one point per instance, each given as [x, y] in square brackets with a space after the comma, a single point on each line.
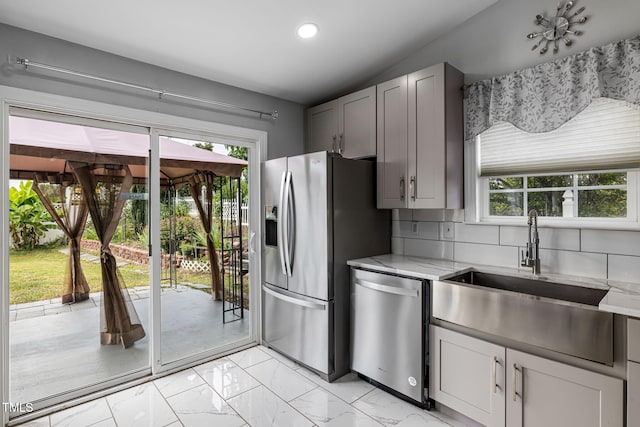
[543, 97]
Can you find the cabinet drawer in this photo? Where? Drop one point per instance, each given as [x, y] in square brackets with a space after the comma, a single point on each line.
[633, 339]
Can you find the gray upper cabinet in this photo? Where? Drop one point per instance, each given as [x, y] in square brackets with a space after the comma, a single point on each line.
[346, 125]
[420, 140]
[500, 387]
[392, 143]
[322, 127]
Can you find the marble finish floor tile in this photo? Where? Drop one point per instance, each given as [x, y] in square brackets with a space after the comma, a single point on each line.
[202, 406]
[178, 382]
[82, 415]
[327, 410]
[106, 423]
[40, 422]
[280, 358]
[280, 379]
[391, 411]
[348, 387]
[270, 391]
[249, 357]
[226, 378]
[262, 408]
[141, 406]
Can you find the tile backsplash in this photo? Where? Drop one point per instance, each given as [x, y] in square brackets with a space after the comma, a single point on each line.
[603, 254]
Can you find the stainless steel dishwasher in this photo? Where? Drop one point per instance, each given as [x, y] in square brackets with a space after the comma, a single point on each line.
[389, 323]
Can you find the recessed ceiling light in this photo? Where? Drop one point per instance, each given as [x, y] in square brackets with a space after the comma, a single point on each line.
[308, 30]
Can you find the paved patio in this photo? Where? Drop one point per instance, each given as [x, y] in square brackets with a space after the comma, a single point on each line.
[56, 348]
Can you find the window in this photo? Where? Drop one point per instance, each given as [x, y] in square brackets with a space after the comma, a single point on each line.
[582, 173]
[579, 195]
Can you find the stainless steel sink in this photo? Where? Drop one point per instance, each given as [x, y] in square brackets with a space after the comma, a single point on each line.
[540, 288]
[554, 316]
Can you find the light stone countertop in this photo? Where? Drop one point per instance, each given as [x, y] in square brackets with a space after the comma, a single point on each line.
[420, 268]
[622, 298]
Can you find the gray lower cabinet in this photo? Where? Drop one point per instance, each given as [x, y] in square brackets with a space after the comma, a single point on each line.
[633, 373]
[471, 376]
[541, 392]
[633, 394]
[467, 374]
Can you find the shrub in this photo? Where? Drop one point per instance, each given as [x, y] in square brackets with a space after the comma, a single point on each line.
[27, 217]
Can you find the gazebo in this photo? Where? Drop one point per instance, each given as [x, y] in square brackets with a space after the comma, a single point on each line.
[93, 170]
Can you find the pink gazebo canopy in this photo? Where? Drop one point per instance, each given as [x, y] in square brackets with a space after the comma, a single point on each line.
[42, 146]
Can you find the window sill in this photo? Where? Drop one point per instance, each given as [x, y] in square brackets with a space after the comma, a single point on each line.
[605, 224]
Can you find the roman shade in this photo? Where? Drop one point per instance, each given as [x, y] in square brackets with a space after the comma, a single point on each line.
[605, 135]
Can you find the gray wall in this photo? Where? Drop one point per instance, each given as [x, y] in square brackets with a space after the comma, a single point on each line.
[494, 41]
[285, 134]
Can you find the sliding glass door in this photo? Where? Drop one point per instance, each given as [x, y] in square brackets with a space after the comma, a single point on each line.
[78, 256]
[130, 252]
[204, 232]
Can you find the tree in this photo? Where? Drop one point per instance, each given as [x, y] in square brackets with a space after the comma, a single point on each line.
[204, 145]
[27, 216]
[138, 210]
[223, 182]
[237, 152]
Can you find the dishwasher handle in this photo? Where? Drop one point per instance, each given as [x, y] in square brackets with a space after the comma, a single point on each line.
[388, 289]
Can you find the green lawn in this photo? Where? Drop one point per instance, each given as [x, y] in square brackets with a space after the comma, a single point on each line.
[38, 275]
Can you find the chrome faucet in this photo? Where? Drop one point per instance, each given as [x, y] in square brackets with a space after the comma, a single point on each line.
[532, 258]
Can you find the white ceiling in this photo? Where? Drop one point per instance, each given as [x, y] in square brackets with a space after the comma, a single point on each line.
[252, 44]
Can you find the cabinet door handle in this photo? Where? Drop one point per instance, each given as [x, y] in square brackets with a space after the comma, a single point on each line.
[412, 188]
[515, 383]
[402, 188]
[495, 374]
[333, 144]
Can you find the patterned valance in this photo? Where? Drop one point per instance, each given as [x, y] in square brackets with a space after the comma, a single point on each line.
[543, 97]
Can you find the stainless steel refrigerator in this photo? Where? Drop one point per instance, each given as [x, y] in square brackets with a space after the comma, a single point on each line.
[319, 211]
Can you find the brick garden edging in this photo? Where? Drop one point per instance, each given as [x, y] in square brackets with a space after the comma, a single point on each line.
[134, 255]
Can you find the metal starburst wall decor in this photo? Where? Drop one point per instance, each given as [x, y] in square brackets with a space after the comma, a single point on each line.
[557, 29]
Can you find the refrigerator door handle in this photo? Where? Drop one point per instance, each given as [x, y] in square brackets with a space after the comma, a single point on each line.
[280, 224]
[291, 224]
[387, 289]
[296, 301]
[288, 221]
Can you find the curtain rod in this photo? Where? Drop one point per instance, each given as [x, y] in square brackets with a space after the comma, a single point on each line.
[161, 93]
